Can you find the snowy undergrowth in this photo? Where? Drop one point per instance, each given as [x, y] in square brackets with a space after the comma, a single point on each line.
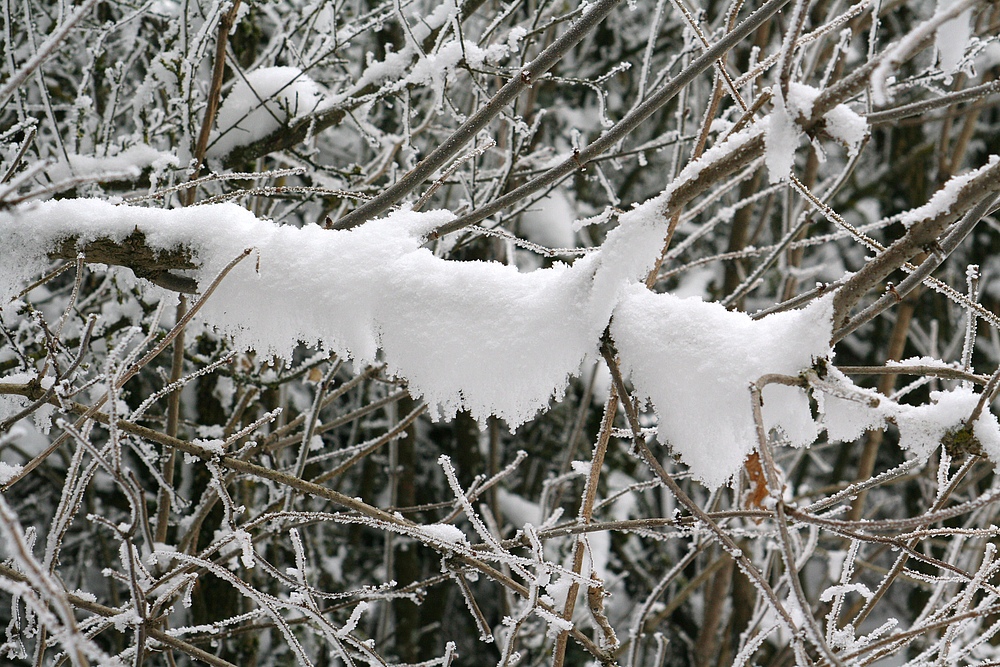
[485, 337]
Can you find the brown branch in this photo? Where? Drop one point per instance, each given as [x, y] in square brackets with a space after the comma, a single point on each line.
[133, 252]
[921, 236]
[287, 136]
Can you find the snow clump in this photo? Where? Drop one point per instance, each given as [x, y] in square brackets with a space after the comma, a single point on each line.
[695, 361]
[260, 103]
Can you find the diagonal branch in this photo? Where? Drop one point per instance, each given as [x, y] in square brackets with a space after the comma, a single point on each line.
[626, 125]
[479, 120]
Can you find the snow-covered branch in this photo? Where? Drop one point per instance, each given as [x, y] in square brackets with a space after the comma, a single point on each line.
[439, 332]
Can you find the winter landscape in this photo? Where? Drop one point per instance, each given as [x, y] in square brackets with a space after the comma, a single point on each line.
[422, 332]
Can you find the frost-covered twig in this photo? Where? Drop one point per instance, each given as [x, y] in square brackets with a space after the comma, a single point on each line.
[44, 50]
[541, 64]
[920, 235]
[625, 126]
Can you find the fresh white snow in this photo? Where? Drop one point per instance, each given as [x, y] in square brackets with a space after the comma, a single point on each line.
[694, 362]
[952, 39]
[443, 533]
[260, 103]
[780, 140]
[485, 337]
[783, 133]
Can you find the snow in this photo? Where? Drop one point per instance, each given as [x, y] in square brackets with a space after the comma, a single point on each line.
[9, 471]
[216, 447]
[263, 101]
[128, 163]
[484, 337]
[518, 511]
[952, 39]
[833, 591]
[432, 69]
[846, 126]
[245, 542]
[444, 533]
[11, 404]
[780, 140]
[921, 427]
[941, 201]
[355, 618]
[849, 413]
[930, 362]
[694, 362]
[549, 221]
[716, 153]
[782, 133]
[884, 73]
[785, 409]
[474, 335]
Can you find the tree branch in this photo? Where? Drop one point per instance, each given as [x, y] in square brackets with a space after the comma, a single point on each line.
[156, 266]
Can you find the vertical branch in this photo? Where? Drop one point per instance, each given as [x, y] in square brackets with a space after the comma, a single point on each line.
[787, 554]
[971, 321]
[214, 93]
[173, 417]
[869, 455]
[585, 516]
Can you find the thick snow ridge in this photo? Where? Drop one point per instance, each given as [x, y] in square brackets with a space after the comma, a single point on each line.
[483, 336]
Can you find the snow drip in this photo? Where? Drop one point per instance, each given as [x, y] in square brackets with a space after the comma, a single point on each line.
[783, 133]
